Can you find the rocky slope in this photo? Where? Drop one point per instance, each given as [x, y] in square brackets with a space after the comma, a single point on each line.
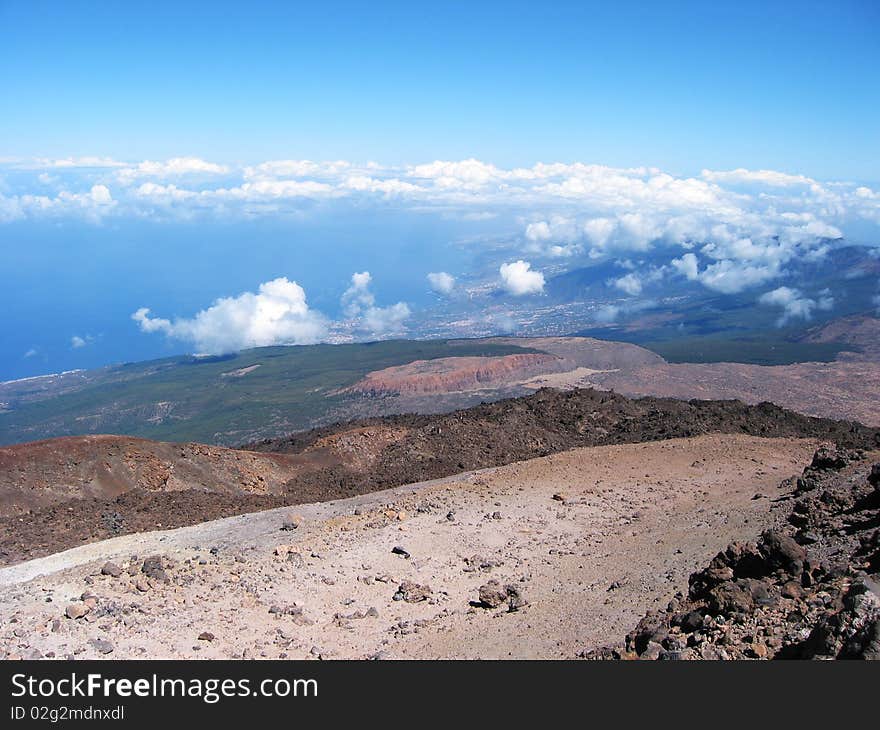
[808, 589]
[845, 388]
[535, 559]
[117, 486]
[860, 331]
[43, 473]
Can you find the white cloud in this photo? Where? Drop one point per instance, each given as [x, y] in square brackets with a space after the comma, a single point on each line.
[389, 187]
[629, 283]
[75, 162]
[764, 177]
[468, 173]
[277, 315]
[31, 353]
[358, 296]
[518, 279]
[501, 322]
[274, 190]
[76, 343]
[609, 313]
[687, 266]
[744, 226]
[173, 168]
[359, 304]
[386, 320]
[539, 231]
[558, 237]
[727, 276]
[794, 304]
[731, 277]
[275, 169]
[441, 282]
[599, 231]
[92, 205]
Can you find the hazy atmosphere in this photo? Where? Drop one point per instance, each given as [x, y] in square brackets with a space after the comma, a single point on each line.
[437, 331]
[158, 186]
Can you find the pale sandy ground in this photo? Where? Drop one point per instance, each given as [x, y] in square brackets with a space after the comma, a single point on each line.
[642, 517]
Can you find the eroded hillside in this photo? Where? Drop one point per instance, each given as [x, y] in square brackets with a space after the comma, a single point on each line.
[61, 493]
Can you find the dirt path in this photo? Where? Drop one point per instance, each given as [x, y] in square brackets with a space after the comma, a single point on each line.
[636, 517]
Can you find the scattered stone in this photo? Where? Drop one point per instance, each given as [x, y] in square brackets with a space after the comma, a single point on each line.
[775, 600]
[206, 636]
[111, 569]
[154, 567]
[515, 598]
[102, 646]
[492, 594]
[398, 550]
[292, 522]
[76, 610]
[826, 458]
[293, 611]
[412, 592]
[478, 562]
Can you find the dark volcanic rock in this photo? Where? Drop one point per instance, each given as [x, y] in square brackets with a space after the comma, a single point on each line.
[154, 567]
[776, 599]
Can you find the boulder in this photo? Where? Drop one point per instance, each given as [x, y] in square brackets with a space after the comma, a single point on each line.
[651, 628]
[827, 458]
[492, 594]
[111, 569]
[76, 610]
[781, 552]
[154, 567]
[731, 597]
[412, 592]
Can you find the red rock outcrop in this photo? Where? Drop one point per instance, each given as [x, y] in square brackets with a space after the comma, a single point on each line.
[449, 374]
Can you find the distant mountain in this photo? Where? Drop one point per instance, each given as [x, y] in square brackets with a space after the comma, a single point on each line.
[272, 391]
[225, 400]
[685, 322]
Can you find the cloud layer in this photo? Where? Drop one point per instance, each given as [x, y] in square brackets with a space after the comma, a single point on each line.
[728, 231]
[617, 207]
[276, 314]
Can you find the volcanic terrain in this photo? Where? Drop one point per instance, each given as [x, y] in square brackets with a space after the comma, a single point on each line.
[61, 493]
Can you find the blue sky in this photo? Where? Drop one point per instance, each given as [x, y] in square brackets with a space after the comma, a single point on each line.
[679, 85]
[256, 173]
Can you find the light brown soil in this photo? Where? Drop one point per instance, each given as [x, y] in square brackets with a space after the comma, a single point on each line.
[840, 389]
[639, 516]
